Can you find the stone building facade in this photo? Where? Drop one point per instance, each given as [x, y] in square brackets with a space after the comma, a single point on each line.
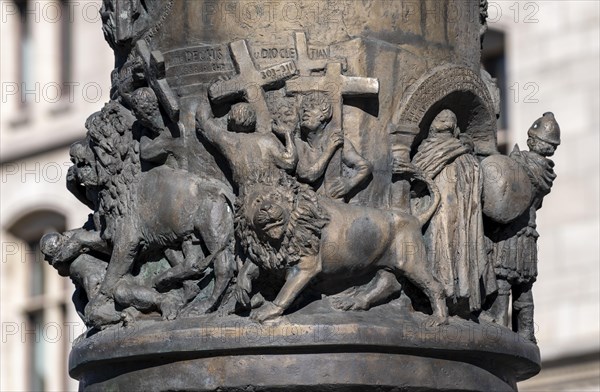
[553, 57]
[55, 72]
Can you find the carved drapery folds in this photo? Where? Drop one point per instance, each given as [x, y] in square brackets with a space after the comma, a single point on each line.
[307, 172]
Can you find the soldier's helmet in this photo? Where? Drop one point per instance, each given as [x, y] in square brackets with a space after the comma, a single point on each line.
[546, 129]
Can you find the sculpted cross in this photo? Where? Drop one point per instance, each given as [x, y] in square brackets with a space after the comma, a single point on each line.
[305, 64]
[336, 86]
[250, 82]
[154, 65]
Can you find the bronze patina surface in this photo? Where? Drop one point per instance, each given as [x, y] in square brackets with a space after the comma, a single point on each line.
[307, 195]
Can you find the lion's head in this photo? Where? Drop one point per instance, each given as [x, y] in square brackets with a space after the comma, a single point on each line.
[277, 222]
[113, 151]
[267, 211]
[84, 164]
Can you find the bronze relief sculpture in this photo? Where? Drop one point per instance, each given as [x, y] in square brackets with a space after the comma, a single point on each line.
[332, 175]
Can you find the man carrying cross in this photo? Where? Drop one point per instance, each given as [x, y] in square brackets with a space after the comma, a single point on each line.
[250, 83]
[322, 130]
[317, 145]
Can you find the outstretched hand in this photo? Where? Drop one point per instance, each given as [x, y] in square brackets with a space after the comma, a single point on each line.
[280, 128]
[338, 188]
[401, 167]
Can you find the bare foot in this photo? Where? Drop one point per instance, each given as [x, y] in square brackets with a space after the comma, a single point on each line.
[169, 307]
[341, 302]
[352, 299]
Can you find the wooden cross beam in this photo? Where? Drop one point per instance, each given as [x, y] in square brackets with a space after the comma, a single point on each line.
[305, 64]
[126, 13]
[250, 83]
[336, 86]
[154, 69]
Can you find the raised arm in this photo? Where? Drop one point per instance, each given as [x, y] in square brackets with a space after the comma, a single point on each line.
[286, 157]
[214, 130]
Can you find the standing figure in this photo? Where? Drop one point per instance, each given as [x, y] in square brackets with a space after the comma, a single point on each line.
[317, 145]
[454, 237]
[515, 245]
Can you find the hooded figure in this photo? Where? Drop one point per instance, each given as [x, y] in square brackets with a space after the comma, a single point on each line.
[454, 236]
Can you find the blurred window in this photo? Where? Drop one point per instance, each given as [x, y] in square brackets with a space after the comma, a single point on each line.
[42, 312]
[66, 47]
[493, 58]
[25, 50]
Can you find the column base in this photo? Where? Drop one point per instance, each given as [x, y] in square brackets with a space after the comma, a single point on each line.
[340, 351]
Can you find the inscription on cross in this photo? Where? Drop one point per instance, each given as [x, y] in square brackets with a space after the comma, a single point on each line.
[250, 83]
[305, 64]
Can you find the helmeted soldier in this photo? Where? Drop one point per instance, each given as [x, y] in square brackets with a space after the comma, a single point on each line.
[514, 252]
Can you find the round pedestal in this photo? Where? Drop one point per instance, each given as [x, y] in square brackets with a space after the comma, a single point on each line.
[378, 350]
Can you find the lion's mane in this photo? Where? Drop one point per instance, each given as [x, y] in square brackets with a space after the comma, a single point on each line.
[303, 232]
[117, 161]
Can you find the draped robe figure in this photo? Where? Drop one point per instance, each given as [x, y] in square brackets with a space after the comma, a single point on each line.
[454, 236]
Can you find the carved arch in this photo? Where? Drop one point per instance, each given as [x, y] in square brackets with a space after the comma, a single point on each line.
[459, 89]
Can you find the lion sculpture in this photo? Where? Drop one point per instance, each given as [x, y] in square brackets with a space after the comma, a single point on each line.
[161, 209]
[284, 225]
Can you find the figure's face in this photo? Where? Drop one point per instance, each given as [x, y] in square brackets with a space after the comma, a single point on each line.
[267, 212]
[49, 245]
[288, 116]
[84, 169]
[312, 118]
[541, 147]
[445, 122]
